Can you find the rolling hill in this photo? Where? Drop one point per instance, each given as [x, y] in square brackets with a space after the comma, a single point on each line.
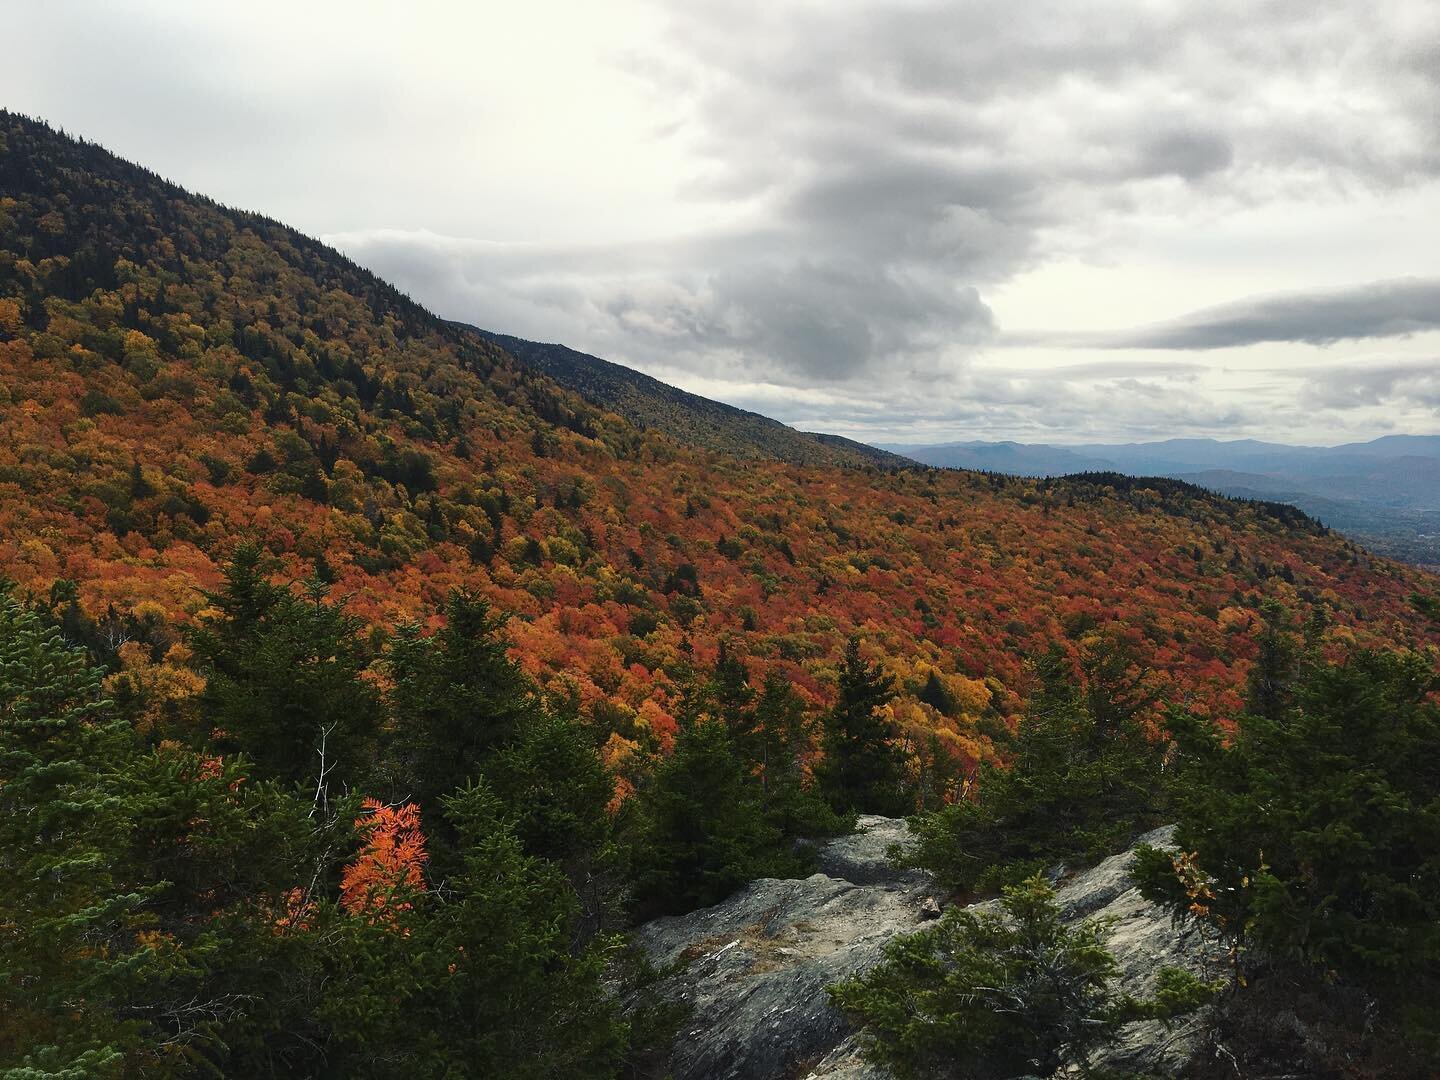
[177, 377]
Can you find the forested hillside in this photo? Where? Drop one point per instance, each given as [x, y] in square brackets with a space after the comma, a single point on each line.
[179, 377]
[1385, 493]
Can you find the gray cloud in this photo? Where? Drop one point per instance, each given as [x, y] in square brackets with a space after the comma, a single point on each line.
[1412, 382]
[1377, 310]
[899, 159]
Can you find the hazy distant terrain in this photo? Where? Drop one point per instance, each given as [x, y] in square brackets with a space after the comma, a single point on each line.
[1386, 492]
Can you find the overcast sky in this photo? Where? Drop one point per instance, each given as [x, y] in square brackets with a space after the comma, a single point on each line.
[900, 221]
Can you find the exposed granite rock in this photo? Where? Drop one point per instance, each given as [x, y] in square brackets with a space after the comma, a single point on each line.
[755, 967]
[862, 857]
[1144, 939]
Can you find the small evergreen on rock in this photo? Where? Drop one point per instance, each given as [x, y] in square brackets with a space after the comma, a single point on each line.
[1084, 775]
[989, 996]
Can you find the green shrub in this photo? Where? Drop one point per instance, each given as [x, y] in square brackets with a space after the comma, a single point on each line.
[1312, 837]
[983, 995]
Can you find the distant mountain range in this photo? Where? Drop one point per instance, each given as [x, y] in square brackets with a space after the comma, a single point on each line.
[649, 403]
[1385, 492]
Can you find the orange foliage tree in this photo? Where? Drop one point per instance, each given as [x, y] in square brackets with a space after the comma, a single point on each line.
[390, 866]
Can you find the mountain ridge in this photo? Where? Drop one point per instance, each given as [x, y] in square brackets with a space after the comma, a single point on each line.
[699, 421]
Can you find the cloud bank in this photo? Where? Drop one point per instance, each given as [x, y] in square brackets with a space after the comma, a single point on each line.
[885, 166]
[1381, 309]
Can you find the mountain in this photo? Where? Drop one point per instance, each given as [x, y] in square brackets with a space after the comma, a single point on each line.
[177, 377]
[1385, 492]
[649, 404]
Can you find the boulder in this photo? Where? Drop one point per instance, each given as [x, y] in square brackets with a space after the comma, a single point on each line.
[755, 967]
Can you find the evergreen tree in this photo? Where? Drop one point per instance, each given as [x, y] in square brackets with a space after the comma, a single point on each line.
[730, 694]
[479, 979]
[863, 770]
[140, 888]
[1314, 841]
[934, 694]
[457, 699]
[940, 775]
[779, 735]
[63, 821]
[699, 830]
[464, 711]
[1280, 660]
[989, 996]
[557, 795]
[234, 868]
[283, 679]
[1084, 775]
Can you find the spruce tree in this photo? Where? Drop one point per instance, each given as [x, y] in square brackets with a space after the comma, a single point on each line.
[730, 693]
[1313, 841]
[863, 770]
[557, 795]
[284, 679]
[140, 888]
[1083, 776]
[699, 830]
[478, 979]
[781, 733]
[457, 699]
[996, 995]
[63, 825]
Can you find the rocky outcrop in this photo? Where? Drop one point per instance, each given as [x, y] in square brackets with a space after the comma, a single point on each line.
[754, 968]
[1144, 939]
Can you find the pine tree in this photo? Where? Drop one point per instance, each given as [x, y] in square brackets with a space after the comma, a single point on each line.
[730, 692]
[864, 769]
[1280, 661]
[284, 679]
[557, 793]
[701, 831]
